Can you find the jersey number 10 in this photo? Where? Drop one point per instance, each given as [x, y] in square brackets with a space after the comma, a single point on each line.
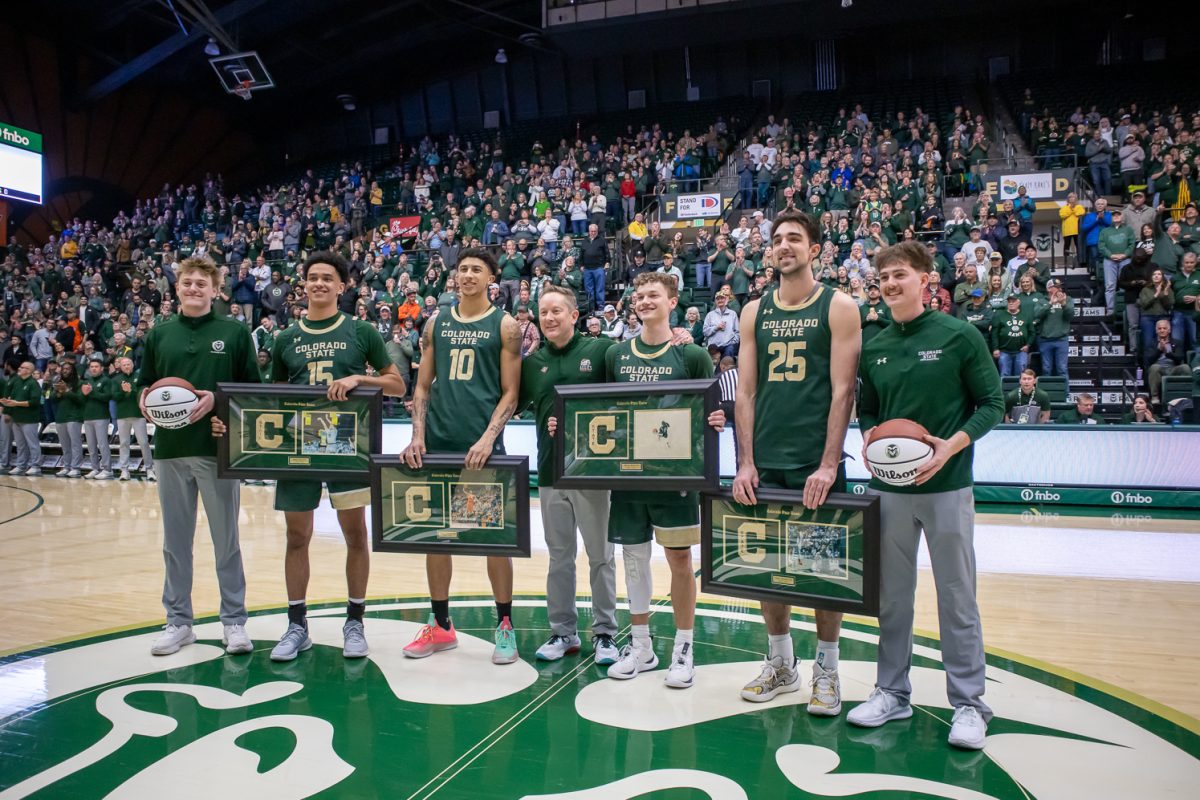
[462, 364]
[787, 361]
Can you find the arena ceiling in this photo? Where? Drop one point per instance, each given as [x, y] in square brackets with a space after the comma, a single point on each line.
[314, 49]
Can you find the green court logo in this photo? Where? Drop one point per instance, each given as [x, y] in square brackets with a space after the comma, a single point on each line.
[104, 718]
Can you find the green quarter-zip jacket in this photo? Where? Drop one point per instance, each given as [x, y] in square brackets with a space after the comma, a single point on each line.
[935, 371]
[95, 402]
[581, 360]
[25, 390]
[203, 351]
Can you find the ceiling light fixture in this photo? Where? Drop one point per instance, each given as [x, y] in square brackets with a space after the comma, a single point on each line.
[212, 48]
[501, 56]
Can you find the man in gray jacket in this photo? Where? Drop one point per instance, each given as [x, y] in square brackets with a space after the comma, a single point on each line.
[1099, 155]
[1132, 157]
[1139, 213]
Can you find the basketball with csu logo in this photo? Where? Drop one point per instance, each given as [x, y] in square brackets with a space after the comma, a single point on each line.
[896, 450]
[169, 402]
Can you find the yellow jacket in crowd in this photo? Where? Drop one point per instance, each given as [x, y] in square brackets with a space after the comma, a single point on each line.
[1070, 218]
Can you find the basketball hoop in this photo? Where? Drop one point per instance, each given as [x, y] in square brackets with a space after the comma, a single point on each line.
[242, 90]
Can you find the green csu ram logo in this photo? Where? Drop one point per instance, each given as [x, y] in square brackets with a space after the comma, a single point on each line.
[104, 718]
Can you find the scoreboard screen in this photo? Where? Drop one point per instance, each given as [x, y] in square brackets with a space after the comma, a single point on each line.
[20, 164]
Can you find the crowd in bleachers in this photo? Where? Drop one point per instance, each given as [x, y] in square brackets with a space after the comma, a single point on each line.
[91, 291]
[571, 213]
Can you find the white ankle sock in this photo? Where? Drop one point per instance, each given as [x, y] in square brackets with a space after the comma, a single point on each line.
[781, 646]
[641, 634]
[827, 655]
[682, 636]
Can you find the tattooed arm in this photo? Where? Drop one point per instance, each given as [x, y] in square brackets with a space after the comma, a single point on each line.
[510, 385]
[420, 404]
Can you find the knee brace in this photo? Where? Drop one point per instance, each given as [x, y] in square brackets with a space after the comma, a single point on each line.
[639, 583]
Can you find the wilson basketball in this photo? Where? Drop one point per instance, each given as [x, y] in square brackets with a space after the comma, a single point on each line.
[170, 401]
[896, 450]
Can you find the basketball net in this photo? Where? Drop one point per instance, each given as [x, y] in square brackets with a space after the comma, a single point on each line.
[243, 90]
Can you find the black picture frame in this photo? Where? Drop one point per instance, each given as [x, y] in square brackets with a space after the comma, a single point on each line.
[372, 395]
[519, 547]
[867, 506]
[709, 478]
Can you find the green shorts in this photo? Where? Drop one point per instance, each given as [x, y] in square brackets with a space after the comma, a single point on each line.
[793, 479]
[306, 495]
[672, 524]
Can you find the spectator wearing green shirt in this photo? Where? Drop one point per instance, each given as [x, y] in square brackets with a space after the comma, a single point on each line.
[1012, 338]
[1140, 413]
[22, 405]
[1027, 403]
[1054, 330]
[512, 269]
[1187, 301]
[1082, 414]
[130, 421]
[68, 420]
[96, 391]
[1116, 249]
[874, 314]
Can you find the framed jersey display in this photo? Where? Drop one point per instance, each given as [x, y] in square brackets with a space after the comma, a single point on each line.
[636, 435]
[780, 551]
[291, 431]
[443, 507]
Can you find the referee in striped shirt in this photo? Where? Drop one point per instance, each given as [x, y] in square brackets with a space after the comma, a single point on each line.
[727, 380]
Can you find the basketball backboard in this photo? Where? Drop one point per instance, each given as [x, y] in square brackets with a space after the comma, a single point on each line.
[242, 73]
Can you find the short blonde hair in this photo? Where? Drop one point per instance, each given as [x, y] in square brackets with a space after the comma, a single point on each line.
[200, 264]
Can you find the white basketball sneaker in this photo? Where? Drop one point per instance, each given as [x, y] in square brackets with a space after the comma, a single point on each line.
[968, 730]
[879, 708]
[173, 638]
[682, 671]
[635, 657]
[236, 640]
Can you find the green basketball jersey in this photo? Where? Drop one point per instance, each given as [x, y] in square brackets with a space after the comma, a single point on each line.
[313, 353]
[466, 388]
[634, 361]
[791, 407]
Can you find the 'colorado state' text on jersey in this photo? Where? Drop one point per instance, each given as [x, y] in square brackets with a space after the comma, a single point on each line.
[635, 361]
[321, 352]
[466, 388]
[791, 407]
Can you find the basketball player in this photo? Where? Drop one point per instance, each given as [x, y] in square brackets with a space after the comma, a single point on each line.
[924, 349]
[201, 348]
[671, 518]
[466, 391]
[331, 348]
[570, 358]
[795, 391]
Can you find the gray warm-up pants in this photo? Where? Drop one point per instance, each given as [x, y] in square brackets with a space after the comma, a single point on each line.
[136, 426]
[180, 481]
[29, 449]
[564, 511]
[6, 442]
[70, 436]
[948, 519]
[99, 453]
